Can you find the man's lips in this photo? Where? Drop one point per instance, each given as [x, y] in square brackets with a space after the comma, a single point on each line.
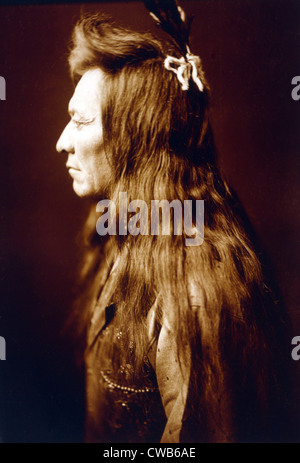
[73, 171]
[69, 166]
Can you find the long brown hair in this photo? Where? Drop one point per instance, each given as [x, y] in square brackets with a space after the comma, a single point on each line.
[159, 142]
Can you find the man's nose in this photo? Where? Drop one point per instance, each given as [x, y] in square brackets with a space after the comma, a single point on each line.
[65, 142]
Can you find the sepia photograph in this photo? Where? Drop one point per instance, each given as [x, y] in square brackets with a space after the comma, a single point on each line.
[150, 198]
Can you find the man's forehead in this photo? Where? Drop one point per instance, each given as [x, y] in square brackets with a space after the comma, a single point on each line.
[87, 93]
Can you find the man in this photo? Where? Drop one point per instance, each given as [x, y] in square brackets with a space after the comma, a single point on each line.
[178, 338]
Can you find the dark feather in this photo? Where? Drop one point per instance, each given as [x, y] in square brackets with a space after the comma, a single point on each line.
[169, 18]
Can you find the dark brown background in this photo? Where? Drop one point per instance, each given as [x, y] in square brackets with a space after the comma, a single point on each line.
[250, 52]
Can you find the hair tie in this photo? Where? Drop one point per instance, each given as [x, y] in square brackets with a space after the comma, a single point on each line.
[185, 68]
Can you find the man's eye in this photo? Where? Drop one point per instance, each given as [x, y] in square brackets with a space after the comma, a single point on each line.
[78, 123]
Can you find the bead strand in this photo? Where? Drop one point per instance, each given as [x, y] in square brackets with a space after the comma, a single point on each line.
[126, 388]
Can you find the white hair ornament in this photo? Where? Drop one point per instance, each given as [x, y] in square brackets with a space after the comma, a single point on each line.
[173, 20]
[185, 69]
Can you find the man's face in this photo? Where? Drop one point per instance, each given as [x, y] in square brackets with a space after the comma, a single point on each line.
[82, 138]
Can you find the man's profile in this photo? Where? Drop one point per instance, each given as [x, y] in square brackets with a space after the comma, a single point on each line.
[179, 339]
[83, 139]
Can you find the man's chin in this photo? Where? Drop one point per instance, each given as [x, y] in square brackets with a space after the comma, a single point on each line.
[83, 191]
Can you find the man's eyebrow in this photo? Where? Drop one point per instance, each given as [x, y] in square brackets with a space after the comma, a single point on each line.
[72, 109]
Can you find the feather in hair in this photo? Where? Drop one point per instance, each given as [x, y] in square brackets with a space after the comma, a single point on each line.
[173, 20]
